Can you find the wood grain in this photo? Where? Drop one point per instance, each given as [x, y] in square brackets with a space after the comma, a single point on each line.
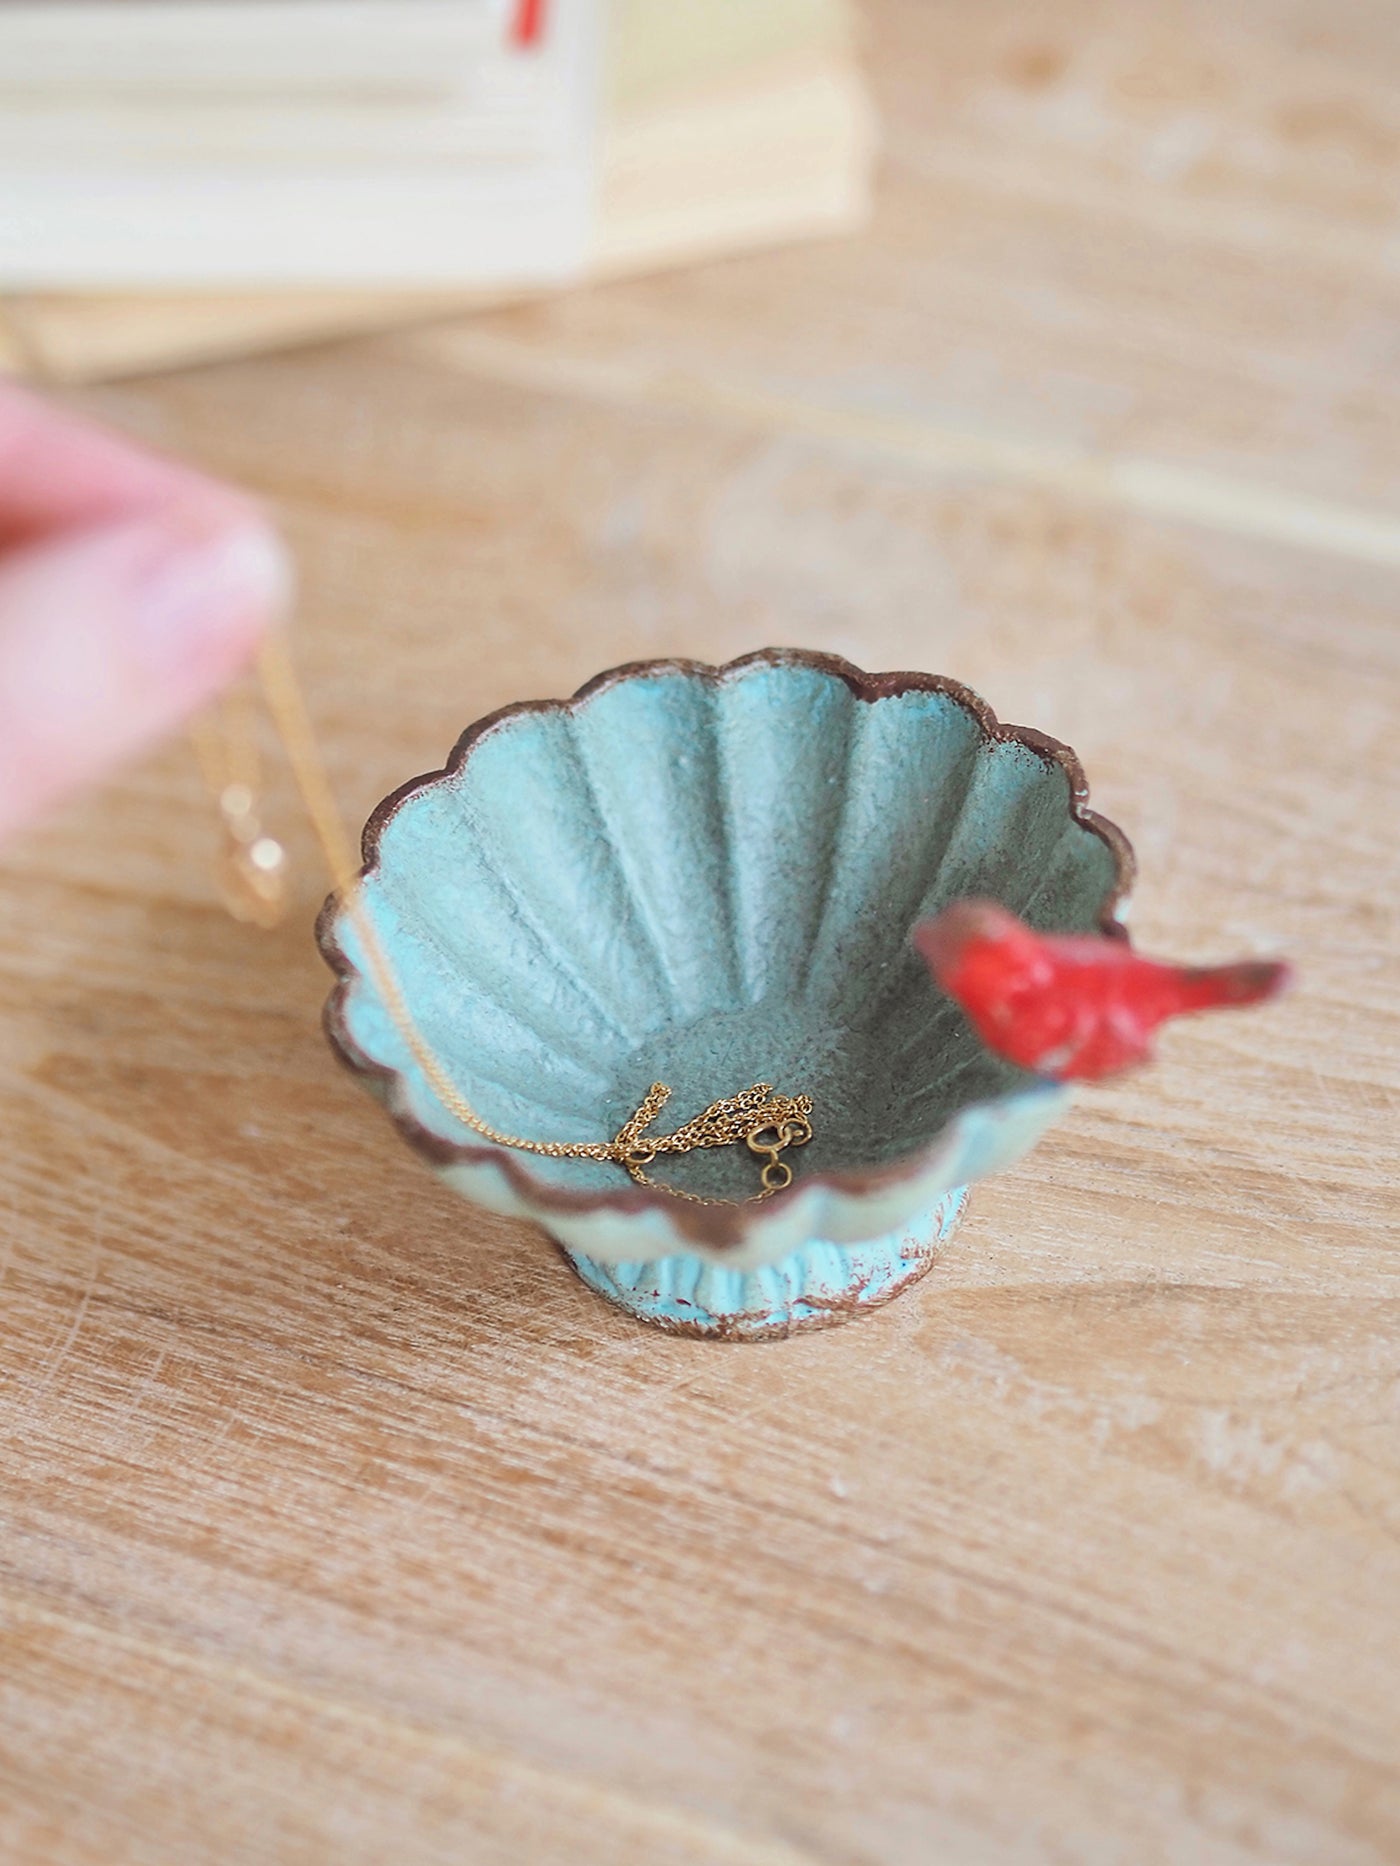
[339, 1523]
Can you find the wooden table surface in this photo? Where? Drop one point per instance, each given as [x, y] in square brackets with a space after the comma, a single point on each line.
[340, 1524]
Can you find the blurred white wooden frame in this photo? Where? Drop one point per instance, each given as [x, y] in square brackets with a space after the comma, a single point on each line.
[143, 48]
[725, 125]
[296, 142]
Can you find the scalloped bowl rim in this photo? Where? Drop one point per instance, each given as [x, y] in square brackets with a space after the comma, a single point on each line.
[633, 1223]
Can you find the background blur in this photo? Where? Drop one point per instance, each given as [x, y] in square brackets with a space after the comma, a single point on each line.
[342, 1524]
[295, 167]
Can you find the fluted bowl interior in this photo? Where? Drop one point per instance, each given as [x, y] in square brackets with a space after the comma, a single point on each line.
[709, 878]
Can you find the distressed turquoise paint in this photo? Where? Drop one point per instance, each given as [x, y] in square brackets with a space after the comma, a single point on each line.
[815, 1286]
[712, 882]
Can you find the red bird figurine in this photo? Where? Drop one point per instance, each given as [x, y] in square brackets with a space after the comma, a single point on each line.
[1073, 1006]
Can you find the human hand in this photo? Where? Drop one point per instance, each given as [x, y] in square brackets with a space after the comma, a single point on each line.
[131, 589]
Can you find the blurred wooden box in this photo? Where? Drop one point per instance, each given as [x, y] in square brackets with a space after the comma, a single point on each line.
[721, 126]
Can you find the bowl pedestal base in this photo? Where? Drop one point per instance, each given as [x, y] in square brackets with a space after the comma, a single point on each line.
[819, 1286]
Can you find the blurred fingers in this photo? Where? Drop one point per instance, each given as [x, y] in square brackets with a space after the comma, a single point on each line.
[59, 472]
[111, 636]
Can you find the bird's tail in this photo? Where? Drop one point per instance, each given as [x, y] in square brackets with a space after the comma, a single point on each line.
[1247, 981]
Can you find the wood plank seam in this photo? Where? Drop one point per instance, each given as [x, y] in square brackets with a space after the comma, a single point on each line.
[1122, 482]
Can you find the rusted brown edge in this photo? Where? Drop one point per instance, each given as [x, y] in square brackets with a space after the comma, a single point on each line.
[828, 1311]
[717, 1227]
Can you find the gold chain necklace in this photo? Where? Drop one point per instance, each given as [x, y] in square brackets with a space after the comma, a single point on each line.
[253, 878]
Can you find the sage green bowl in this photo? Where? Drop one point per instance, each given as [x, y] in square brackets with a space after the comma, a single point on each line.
[708, 876]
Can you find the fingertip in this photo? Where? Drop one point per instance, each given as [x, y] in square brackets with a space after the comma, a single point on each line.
[110, 638]
[199, 607]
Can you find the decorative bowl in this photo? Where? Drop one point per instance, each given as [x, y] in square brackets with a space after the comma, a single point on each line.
[708, 876]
